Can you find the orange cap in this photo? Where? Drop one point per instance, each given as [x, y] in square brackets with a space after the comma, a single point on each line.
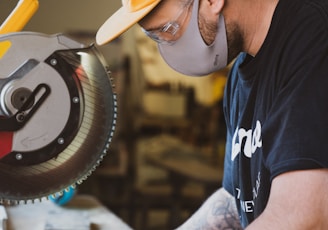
[129, 14]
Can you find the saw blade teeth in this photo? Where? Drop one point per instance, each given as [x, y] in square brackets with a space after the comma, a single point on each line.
[106, 150]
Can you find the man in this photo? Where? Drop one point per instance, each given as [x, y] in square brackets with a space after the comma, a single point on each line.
[276, 174]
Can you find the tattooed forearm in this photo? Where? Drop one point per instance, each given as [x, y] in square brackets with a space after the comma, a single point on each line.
[225, 215]
[217, 213]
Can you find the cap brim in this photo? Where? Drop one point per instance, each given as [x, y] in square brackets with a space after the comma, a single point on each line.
[119, 22]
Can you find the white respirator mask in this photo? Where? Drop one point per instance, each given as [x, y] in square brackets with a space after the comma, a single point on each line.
[190, 55]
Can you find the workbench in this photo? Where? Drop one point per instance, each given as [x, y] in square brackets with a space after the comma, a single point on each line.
[83, 212]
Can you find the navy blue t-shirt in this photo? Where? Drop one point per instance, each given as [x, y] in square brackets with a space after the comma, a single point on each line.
[276, 105]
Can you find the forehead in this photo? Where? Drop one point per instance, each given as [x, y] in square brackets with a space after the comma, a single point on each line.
[165, 11]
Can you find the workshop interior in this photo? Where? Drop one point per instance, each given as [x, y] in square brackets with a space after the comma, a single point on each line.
[100, 137]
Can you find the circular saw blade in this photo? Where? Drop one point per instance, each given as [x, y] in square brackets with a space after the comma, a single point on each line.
[76, 118]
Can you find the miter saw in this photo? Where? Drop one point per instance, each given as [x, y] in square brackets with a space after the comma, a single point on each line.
[57, 110]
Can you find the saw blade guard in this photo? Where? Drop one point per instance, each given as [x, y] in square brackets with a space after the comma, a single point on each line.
[57, 114]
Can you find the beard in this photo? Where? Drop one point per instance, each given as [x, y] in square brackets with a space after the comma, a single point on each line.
[209, 29]
[235, 41]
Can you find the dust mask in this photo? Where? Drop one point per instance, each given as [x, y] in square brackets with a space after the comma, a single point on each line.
[190, 55]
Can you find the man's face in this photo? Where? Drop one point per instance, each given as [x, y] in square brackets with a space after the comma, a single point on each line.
[195, 29]
[176, 15]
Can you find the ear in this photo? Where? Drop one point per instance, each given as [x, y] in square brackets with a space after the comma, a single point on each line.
[215, 6]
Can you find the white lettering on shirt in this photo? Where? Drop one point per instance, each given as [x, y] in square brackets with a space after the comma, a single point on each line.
[247, 206]
[253, 140]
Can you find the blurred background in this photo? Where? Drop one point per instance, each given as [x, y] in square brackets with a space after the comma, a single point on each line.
[167, 153]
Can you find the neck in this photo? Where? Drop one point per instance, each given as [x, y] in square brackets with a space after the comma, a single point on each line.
[253, 18]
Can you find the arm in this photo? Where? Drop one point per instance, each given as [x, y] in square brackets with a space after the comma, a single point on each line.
[217, 213]
[298, 201]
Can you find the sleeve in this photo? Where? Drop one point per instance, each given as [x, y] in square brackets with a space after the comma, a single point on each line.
[296, 131]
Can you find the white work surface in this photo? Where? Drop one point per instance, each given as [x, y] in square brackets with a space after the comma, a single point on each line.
[82, 213]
